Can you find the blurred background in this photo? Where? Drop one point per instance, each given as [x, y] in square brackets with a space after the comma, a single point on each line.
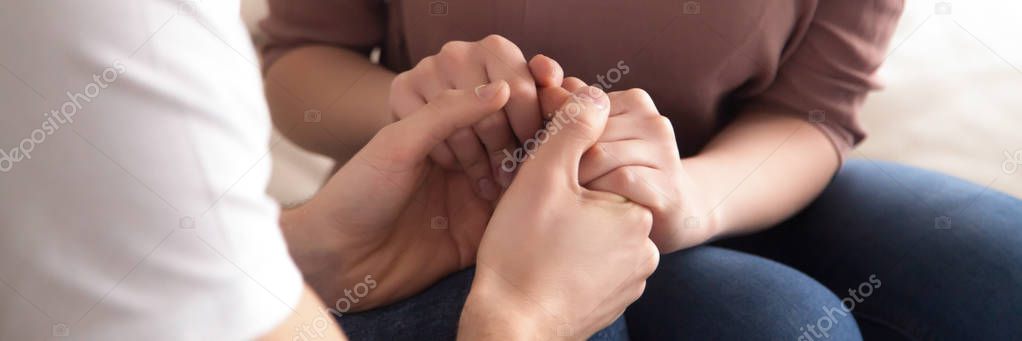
[953, 100]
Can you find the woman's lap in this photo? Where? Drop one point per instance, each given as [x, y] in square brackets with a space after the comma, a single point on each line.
[432, 315]
[705, 293]
[878, 230]
[712, 293]
[948, 253]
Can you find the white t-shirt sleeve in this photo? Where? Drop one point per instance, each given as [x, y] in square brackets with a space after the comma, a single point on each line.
[134, 163]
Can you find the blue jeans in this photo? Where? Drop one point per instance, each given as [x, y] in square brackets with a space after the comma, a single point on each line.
[887, 252]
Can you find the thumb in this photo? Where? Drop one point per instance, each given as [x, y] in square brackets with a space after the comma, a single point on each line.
[411, 139]
[575, 128]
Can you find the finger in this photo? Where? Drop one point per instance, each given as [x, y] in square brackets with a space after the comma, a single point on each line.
[605, 157]
[475, 162]
[551, 99]
[472, 145]
[546, 71]
[632, 100]
[636, 183]
[492, 134]
[410, 140]
[635, 125]
[549, 76]
[506, 62]
[575, 129]
[497, 137]
[411, 91]
[573, 84]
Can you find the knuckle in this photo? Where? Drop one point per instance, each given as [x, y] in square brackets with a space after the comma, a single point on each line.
[454, 54]
[652, 260]
[665, 123]
[401, 82]
[495, 40]
[660, 128]
[644, 217]
[641, 99]
[595, 154]
[425, 63]
[636, 94]
[637, 290]
[659, 203]
[664, 130]
[627, 179]
[455, 47]
[499, 44]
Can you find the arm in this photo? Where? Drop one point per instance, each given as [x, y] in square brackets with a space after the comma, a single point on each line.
[349, 91]
[771, 161]
[761, 158]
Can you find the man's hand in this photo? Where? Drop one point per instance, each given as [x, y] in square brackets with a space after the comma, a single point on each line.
[559, 261]
[391, 212]
[477, 149]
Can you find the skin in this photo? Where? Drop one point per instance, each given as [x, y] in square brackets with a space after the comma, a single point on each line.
[352, 224]
[762, 168]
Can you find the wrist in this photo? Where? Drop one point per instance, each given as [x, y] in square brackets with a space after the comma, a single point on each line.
[709, 199]
[493, 312]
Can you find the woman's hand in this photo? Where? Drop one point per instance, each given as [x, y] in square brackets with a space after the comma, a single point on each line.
[559, 260]
[391, 212]
[637, 157]
[479, 148]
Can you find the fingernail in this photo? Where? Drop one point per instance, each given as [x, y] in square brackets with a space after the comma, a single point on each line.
[488, 190]
[487, 91]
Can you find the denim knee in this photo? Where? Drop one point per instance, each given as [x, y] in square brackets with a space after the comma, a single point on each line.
[715, 293]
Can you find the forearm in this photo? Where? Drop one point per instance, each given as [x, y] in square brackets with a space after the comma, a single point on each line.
[348, 91]
[760, 170]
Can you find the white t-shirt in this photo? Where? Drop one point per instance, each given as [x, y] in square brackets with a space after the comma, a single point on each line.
[133, 174]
